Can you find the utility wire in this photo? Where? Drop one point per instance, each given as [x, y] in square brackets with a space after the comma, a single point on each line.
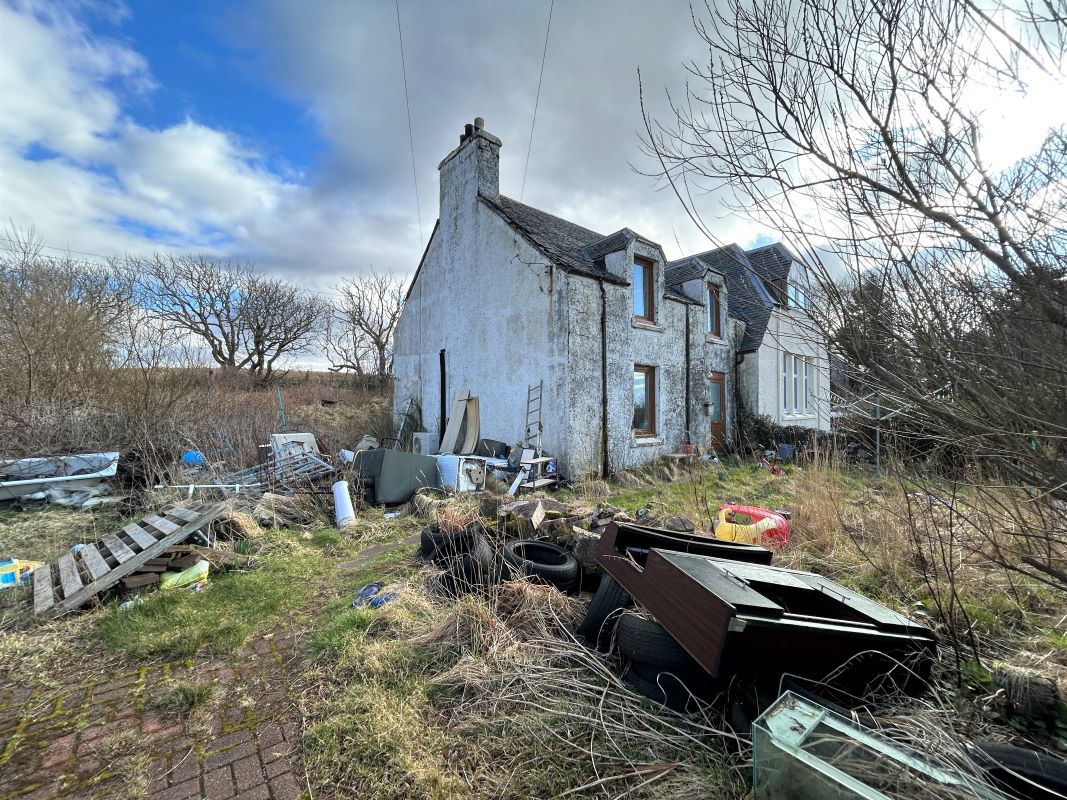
[411, 136]
[529, 146]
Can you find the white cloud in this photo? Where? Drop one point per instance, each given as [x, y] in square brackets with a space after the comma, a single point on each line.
[77, 165]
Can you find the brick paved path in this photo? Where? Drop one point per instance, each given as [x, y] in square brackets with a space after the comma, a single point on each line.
[108, 737]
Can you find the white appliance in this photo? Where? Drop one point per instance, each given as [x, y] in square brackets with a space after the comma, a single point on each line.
[461, 473]
[425, 444]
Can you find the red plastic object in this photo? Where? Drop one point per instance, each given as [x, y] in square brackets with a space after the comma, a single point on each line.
[775, 537]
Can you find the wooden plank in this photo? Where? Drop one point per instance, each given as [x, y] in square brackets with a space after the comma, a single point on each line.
[146, 579]
[68, 575]
[94, 562]
[181, 512]
[160, 524]
[143, 538]
[43, 598]
[207, 513]
[117, 547]
[455, 422]
[152, 568]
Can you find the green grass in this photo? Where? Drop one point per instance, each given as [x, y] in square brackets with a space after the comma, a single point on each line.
[219, 619]
[184, 697]
[1057, 640]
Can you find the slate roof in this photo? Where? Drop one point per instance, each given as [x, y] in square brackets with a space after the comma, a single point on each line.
[772, 262]
[748, 299]
[562, 241]
[612, 243]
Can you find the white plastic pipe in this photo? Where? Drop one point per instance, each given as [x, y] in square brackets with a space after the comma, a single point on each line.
[344, 513]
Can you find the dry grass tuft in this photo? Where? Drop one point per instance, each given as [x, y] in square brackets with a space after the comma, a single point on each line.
[457, 513]
[592, 489]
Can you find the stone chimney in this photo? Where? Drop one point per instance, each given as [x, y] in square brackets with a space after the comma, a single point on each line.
[471, 169]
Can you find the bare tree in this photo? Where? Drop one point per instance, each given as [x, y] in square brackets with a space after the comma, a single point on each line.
[360, 332]
[59, 321]
[245, 319]
[859, 130]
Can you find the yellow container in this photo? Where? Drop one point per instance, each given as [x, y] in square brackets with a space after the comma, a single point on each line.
[745, 534]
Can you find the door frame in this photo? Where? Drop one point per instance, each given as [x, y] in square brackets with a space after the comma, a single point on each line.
[719, 439]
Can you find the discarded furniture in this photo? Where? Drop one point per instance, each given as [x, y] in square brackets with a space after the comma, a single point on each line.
[30, 475]
[390, 477]
[76, 577]
[801, 749]
[738, 618]
[632, 543]
[461, 473]
[537, 471]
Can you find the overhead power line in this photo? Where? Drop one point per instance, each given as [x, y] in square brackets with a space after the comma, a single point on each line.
[537, 99]
[411, 136]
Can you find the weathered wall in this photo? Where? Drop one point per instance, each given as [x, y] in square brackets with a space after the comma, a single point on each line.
[662, 346]
[483, 295]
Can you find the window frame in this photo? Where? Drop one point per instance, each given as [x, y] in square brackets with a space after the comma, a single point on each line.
[795, 295]
[649, 268]
[714, 310]
[650, 394]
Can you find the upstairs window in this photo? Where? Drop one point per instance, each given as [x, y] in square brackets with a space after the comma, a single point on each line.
[644, 400]
[796, 297]
[644, 307]
[714, 311]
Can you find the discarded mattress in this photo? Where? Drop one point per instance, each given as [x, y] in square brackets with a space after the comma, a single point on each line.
[30, 475]
[738, 618]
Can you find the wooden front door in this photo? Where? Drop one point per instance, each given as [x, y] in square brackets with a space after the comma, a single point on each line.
[717, 410]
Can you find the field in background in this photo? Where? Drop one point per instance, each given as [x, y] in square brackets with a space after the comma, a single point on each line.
[151, 418]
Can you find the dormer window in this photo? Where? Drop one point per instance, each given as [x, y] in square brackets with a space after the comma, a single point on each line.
[643, 286]
[714, 311]
[796, 297]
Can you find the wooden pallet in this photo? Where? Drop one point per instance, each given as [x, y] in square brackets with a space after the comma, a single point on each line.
[75, 578]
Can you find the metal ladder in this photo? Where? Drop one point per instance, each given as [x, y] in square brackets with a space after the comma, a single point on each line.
[533, 416]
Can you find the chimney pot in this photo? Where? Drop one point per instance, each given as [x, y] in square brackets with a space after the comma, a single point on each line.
[468, 130]
[479, 123]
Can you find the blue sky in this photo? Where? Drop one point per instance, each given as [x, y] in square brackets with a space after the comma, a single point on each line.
[203, 71]
[276, 131]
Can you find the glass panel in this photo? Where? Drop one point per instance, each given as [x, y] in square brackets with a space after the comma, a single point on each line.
[640, 291]
[809, 404]
[796, 384]
[640, 401]
[715, 401]
[785, 382]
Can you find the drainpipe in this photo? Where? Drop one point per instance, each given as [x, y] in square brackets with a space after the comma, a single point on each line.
[737, 400]
[688, 438]
[441, 423]
[604, 466]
